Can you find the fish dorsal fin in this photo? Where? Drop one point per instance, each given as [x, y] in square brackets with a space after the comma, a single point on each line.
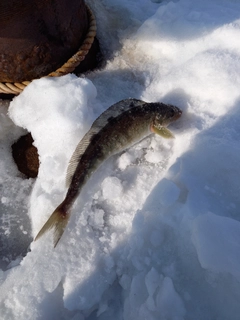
[112, 112]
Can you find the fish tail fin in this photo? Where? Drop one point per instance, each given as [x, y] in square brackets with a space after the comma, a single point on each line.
[57, 221]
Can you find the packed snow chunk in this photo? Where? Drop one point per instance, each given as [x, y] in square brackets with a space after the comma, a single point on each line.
[96, 220]
[152, 280]
[159, 150]
[217, 241]
[125, 160]
[84, 289]
[168, 192]
[137, 294]
[53, 109]
[125, 281]
[111, 188]
[153, 156]
[156, 238]
[169, 303]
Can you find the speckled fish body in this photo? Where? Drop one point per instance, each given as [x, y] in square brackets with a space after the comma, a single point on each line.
[119, 127]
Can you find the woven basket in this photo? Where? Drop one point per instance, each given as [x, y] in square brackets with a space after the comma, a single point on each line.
[67, 67]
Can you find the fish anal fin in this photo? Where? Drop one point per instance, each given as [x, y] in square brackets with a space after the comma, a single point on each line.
[163, 132]
[57, 221]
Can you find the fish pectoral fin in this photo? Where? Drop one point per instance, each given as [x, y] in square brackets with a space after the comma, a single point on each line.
[163, 132]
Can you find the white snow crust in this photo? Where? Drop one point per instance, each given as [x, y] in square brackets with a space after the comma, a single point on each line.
[155, 233]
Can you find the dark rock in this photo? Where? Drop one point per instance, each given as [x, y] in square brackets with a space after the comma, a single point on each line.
[25, 156]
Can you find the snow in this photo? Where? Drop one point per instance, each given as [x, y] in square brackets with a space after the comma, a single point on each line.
[155, 232]
[218, 235]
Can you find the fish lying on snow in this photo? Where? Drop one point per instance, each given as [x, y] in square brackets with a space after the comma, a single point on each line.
[116, 129]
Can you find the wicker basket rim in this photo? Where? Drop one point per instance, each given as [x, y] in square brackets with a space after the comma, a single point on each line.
[67, 67]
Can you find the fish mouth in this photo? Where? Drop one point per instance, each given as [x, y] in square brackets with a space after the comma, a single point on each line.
[178, 114]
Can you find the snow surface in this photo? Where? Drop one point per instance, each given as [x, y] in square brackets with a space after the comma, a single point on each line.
[155, 234]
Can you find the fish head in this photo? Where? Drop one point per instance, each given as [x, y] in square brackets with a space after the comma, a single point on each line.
[164, 114]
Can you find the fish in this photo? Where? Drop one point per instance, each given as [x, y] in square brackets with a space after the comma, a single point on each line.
[119, 127]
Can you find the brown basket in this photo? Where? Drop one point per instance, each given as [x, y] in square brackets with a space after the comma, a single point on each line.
[67, 67]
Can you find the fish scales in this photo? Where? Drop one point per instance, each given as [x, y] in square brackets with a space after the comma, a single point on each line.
[119, 127]
[109, 115]
[116, 136]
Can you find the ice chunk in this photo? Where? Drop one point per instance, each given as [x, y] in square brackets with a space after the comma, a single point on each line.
[217, 241]
[152, 280]
[125, 281]
[138, 293]
[169, 302]
[156, 238]
[168, 192]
